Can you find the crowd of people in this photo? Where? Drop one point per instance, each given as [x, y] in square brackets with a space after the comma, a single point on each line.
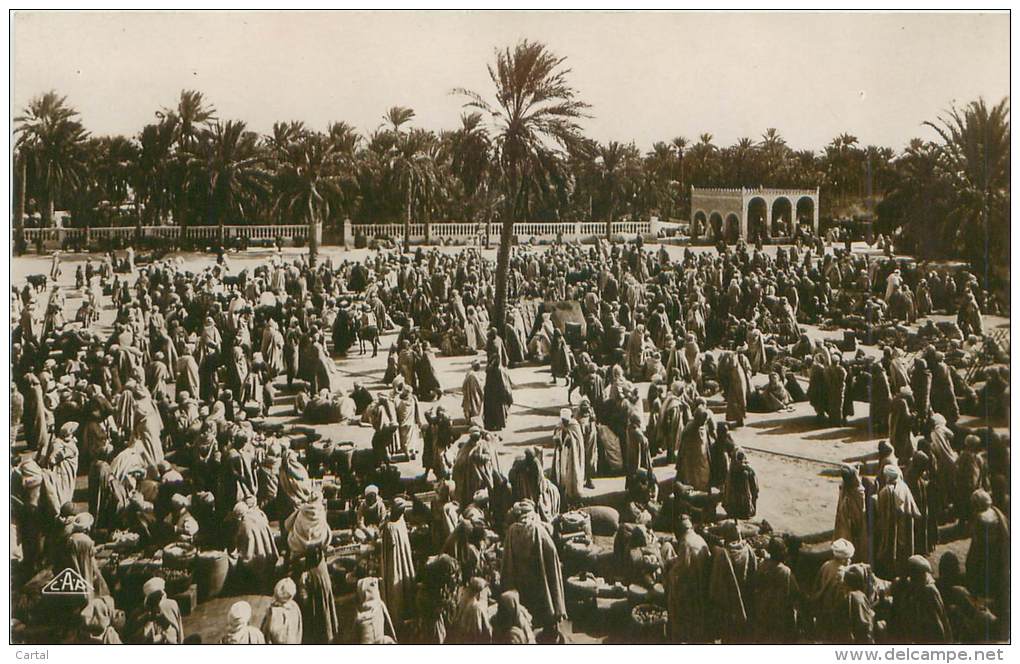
[157, 437]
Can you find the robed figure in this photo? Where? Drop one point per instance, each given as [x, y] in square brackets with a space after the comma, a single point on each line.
[531, 565]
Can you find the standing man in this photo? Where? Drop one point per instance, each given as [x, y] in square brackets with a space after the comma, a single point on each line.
[398, 584]
[568, 457]
[589, 432]
[474, 392]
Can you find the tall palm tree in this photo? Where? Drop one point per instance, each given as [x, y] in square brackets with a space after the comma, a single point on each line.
[680, 144]
[378, 196]
[704, 159]
[774, 150]
[658, 169]
[741, 158]
[618, 169]
[51, 142]
[153, 171]
[974, 156]
[918, 203]
[233, 165]
[311, 171]
[470, 163]
[413, 166]
[190, 123]
[843, 163]
[535, 117]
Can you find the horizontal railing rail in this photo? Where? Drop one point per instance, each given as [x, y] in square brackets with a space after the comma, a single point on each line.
[522, 229]
[258, 232]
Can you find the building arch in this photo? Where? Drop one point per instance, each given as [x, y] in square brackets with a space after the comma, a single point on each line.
[805, 210]
[699, 224]
[715, 222]
[732, 228]
[782, 217]
[757, 219]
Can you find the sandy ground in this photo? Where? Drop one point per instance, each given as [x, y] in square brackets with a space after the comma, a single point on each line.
[795, 458]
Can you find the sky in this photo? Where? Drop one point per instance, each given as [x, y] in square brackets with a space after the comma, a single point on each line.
[648, 76]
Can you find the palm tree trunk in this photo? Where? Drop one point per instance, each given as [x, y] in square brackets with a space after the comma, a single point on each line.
[313, 241]
[503, 263]
[407, 221]
[47, 208]
[502, 268]
[138, 219]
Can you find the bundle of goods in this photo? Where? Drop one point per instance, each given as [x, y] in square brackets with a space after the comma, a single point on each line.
[648, 623]
[179, 555]
[211, 569]
[132, 573]
[581, 556]
[352, 561]
[123, 541]
[604, 520]
[329, 409]
[302, 437]
[326, 455]
[756, 532]
[573, 526]
[794, 364]
[177, 580]
[699, 505]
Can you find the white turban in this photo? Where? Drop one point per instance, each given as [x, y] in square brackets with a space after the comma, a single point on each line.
[842, 549]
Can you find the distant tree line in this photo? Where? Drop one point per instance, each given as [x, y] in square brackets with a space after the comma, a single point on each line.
[943, 198]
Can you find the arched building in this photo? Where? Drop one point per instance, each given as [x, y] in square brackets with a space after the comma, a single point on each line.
[744, 213]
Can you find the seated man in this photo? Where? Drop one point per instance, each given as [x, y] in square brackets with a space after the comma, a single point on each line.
[772, 398]
[371, 514]
[642, 505]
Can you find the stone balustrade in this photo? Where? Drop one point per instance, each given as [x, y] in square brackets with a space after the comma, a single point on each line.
[524, 230]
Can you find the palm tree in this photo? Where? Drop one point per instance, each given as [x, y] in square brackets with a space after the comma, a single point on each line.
[843, 162]
[704, 156]
[918, 203]
[471, 164]
[51, 142]
[285, 135]
[374, 183]
[190, 123]
[617, 170]
[345, 137]
[741, 156]
[658, 168]
[680, 144]
[774, 149]
[974, 156]
[311, 170]
[153, 171]
[233, 165]
[398, 116]
[536, 116]
[413, 166]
